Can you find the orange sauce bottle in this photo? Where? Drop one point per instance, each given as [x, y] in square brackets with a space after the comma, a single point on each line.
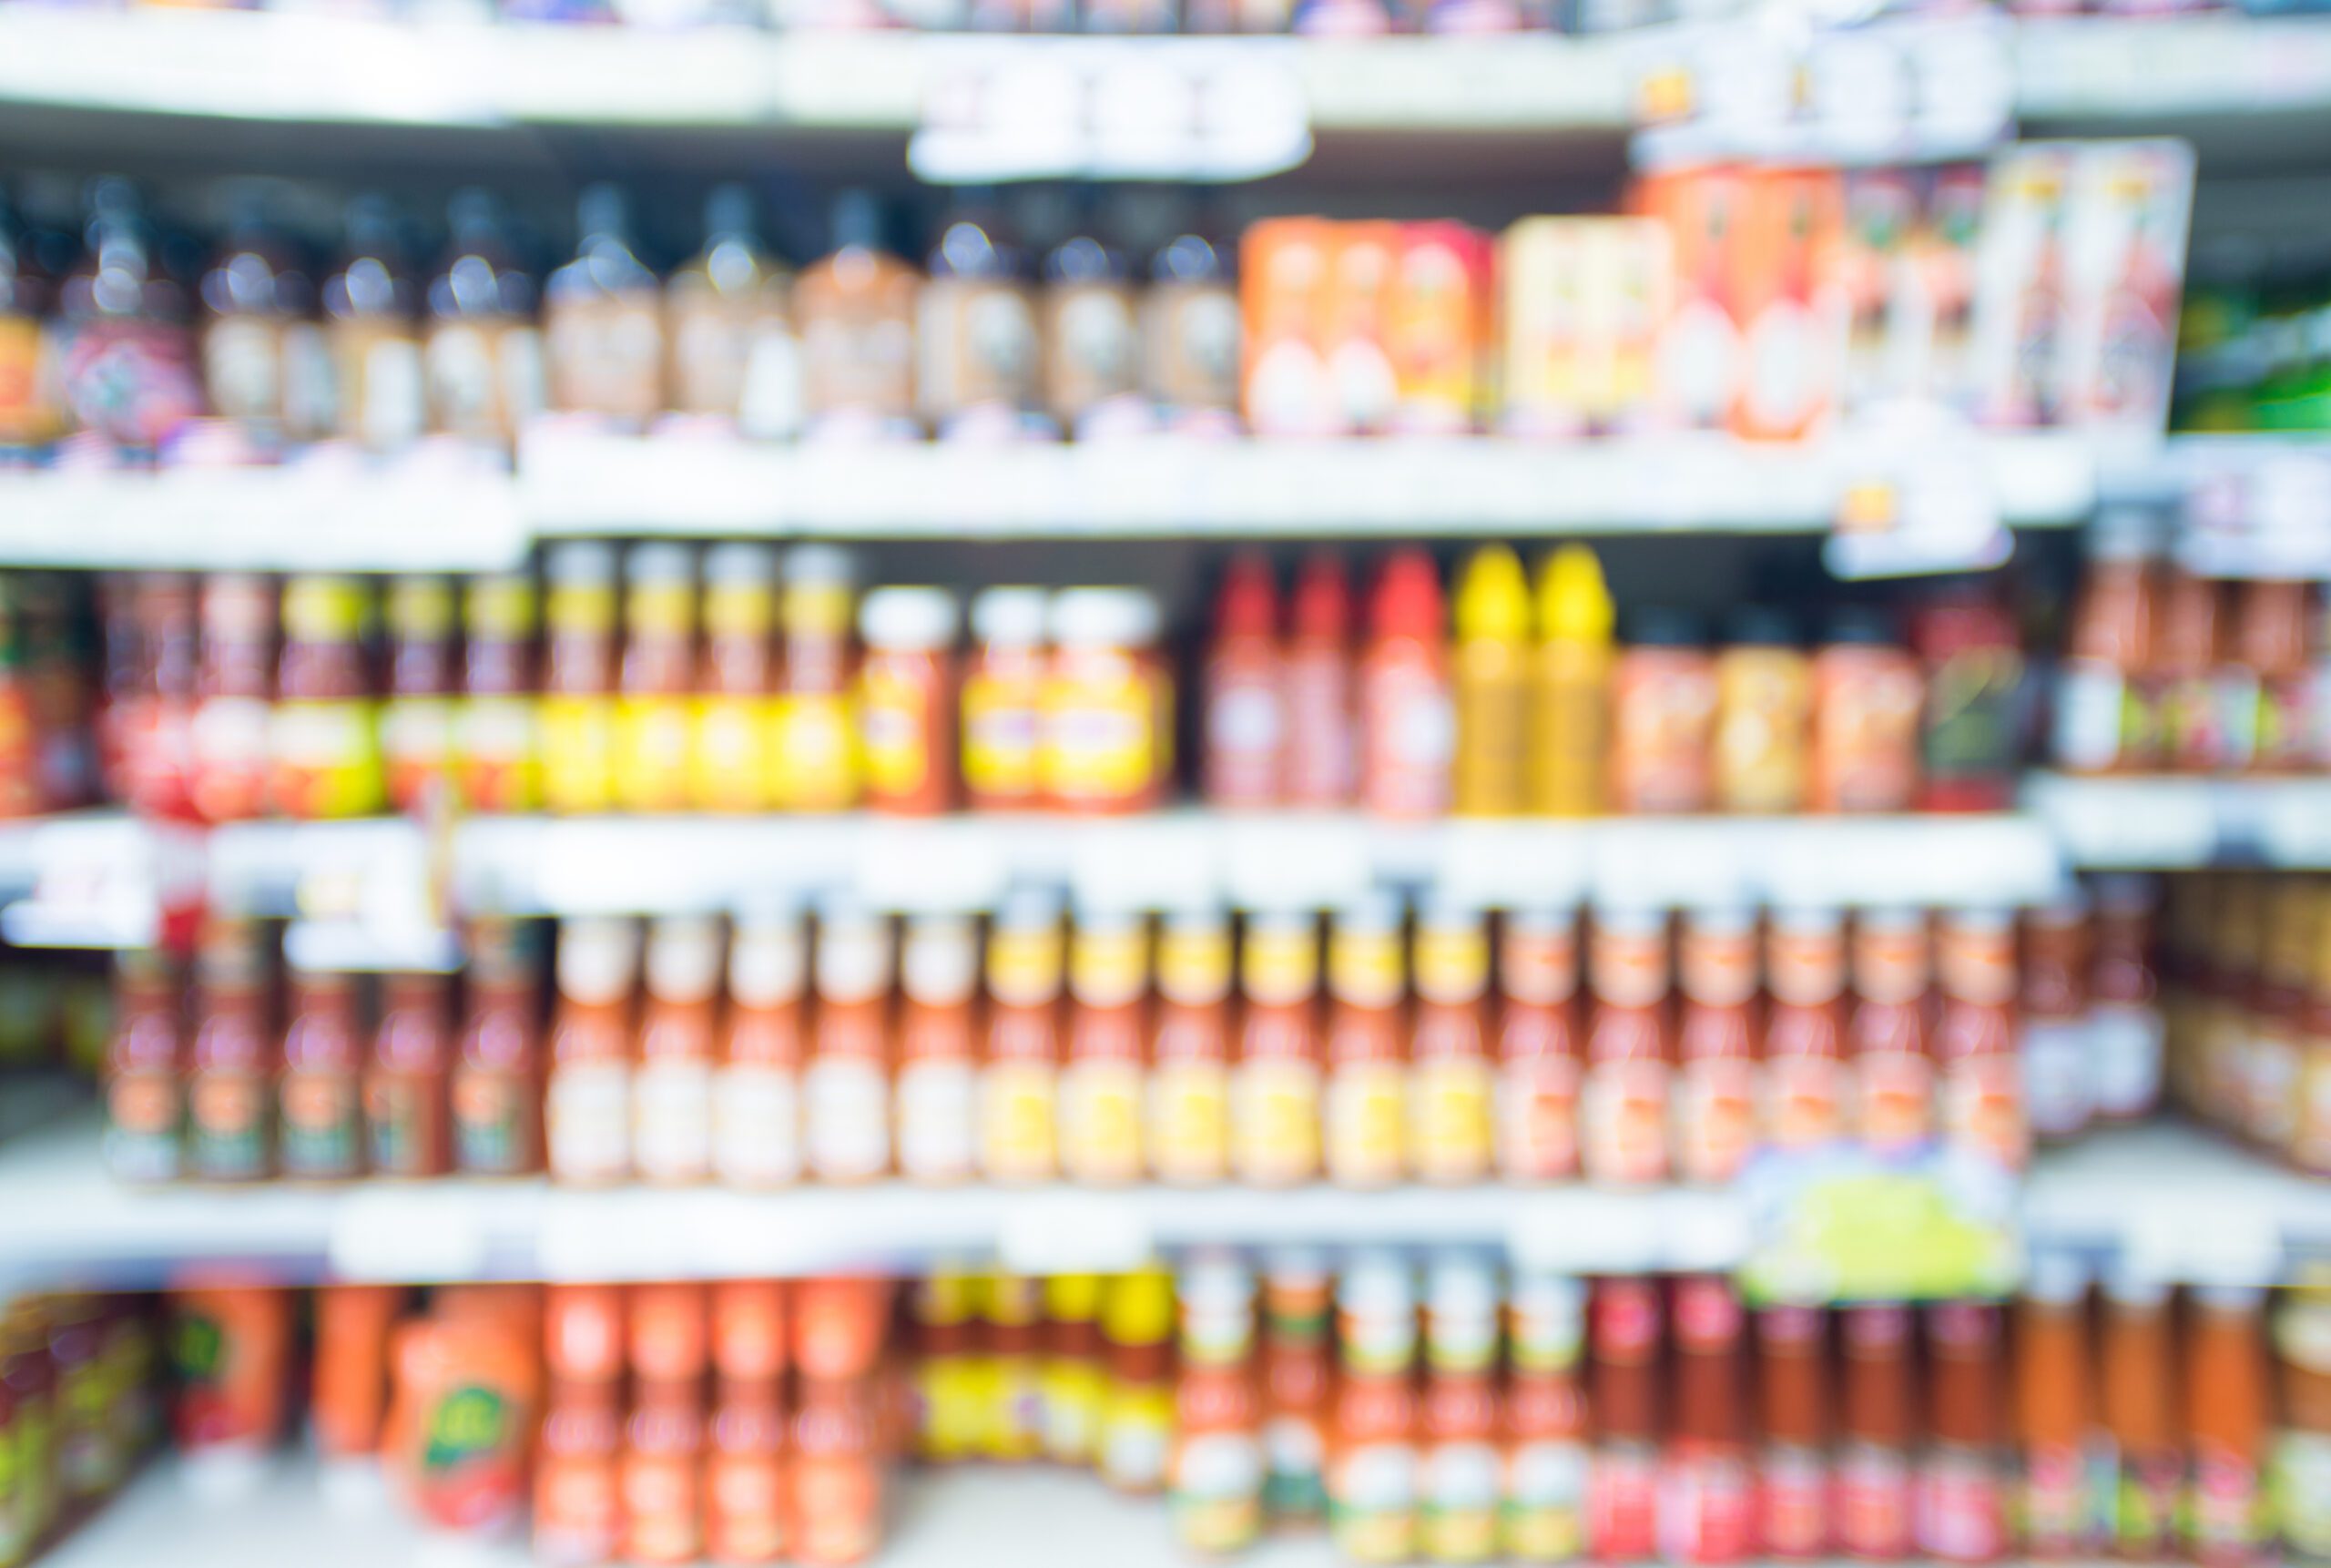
[1108, 1028]
[1982, 1087]
[1716, 1088]
[495, 1097]
[1794, 1399]
[2137, 1394]
[846, 1089]
[2055, 1410]
[671, 1088]
[2226, 1406]
[1544, 1489]
[1363, 1121]
[662, 1466]
[1877, 1421]
[234, 687]
[906, 699]
[1187, 1114]
[836, 1440]
[349, 1390]
[318, 1117]
[1451, 1125]
[229, 1066]
[744, 1512]
[730, 768]
[405, 1093]
[1296, 1368]
[1215, 1472]
[1624, 1100]
[1372, 1424]
[586, 1105]
[1805, 969]
[1885, 1040]
[938, 972]
[577, 1500]
[1539, 1046]
[756, 1081]
[1962, 1500]
[1275, 1085]
[1707, 1512]
[1459, 1469]
[462, 1419]
[1866, 695]
[1663, 717]
[1623, 1398]
[145, 1104]
[1018, 1105]
[2103, 721]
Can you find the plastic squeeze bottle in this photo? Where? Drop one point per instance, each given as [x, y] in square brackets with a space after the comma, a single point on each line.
[1569, 732]
[1493, 684]
[1404, 708]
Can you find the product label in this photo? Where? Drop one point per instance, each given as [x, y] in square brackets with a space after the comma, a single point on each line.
[586, 1113]
[813, 747]
[846, 1115]
[744, 1514]
[1408, 736]
[757, 1125]
[1542, 1517]
[1982, 1109]
[2096, 715]
[1623, 1504]
[1707, 1508]
[231, 745]
[672, 1120]
[2270, 1072]
[1793, 1504]
[2145, 1515]
[895, 723]
[2124, 1058]
[1372, 1502]
[416, 746]
[2225, 1509]
[1960, 1512]
[498, 754]
[1623, 1116]
[936, 1115]
[577, 1518]
[321, 1125]
[1275, 1121]
[1244, 734]
[1136, 1429]
[1295, 1486]
[1805, 1104]
[326, 759]
[652, 737]
[2055, 1501]
[1070, 1390]
[1458, 1492]
[1100, 1121]
[2056, 1075]
[1002, 725]
[1366, 1117]
[1215, 1491]
[1018, 1120]
[226, 1127]
[1873, 1503]
[1537, 1122]
[1450, 1118]
[398, 1112]
[142, 1114]
[1894, 1096]
[728, 760]
[578, 753]
[491, 1122]
[660, 1507]
[1100, 735]
[1715, 1118]
[2301, 1489]
[1190, 1120]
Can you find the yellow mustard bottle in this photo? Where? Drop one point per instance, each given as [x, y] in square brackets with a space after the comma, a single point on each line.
[1569, 733]
[1493, 684]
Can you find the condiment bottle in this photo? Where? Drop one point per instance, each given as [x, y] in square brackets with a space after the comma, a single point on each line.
[662, 1467]
[577, 712]
[2302, 1462]
[1186, 1117]
[1190, 335]
[2184, 681]
[745, 1511]
[729, 764]
[2055, 1402]
[837, 1502]
[448, 1365]
[496, 1097]
[656, 679]
[1108, 713]
[814, 742]
[729, 326]
[1215, 1472]
[1878, 1420]
[1071, 1382]
[152, 695]
[950, 1368]
[1763, 716]
[125, 357]
[1623, 1399]
[1019, 1083]
[1322, 765]
[229, 1066]
[1275, 1085]
[1296, 1369]
[938, 972]
[318, 1119]
[1893, 1084]
[586, 1104]
[499, 770]
[978, 369]
[349, 1379]
[846, 1086]
[1794, 1415]
[2053, 1005]
[1092, 350]
[230, 1346]
[1137, 1409]
[856, 313]
[417, 719]
[756, 1083]
[481, 359]
[1718, 1088]
[1458, 1463]
[1804, 1030]
[2103, 722]
[1982, 1099]
[261, 352]
[1707, 1501]
[228, 780]
[1363, 1109]
[145, 1101]
[1623, 1099]
[369, 305]
[1244, 701]
[906, 699]
[28, 1394]
[28, 406]
[1544, 1489]
[1969, 748]
[1372, 1424]
[2311, 1139]
[1570, 733]
[577, 1511]
[1013, 1307]
[1962, 1499]
[1491, 670]
[2137, 1390]
[671, 1090]
[2124, 1013]
[324, 741]
[1663, 717]
[1102, 1081]
[2269, 697]
[1452, 1131]
[1539, 1048]
[2226, 1410]
[1406, 722]
[1002, 699]
[2277, 1014]
[1866, 695]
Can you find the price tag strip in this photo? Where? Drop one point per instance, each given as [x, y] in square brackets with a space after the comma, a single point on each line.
[1915, 497]
[1843, 1226]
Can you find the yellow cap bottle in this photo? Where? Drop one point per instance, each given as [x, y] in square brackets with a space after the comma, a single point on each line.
[1493, 684]
[1570, 711]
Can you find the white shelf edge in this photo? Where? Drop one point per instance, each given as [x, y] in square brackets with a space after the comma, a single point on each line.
[2167, 822]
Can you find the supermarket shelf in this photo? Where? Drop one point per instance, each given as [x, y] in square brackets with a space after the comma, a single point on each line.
[2169, 823]
[2137, 73]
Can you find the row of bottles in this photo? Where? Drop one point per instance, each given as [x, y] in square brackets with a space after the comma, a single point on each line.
[80, 1409]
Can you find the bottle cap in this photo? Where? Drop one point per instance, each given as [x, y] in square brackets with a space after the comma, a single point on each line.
[1493, 597]
[1010, 616]
[1573, 602]
[1407, 600]
[1249, 605]
[1104, 617]
[1322, 608]
[683, 959]
[908, 620]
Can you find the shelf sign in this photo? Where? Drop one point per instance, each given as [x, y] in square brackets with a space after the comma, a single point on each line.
[1914, 497]
[1843, 1225]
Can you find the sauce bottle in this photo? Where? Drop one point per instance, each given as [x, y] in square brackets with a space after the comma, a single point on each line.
[1321, 764]
[729, 766]
[2277, 1014]
[2311, 1139]
[152, 694]
[231, 1349]
[261, 350]
[846, 1087]
[1002, 699]
[2102, 721]
[2182, 683]
[1961, 1503]
[1405, 715]
[1215, 1472]
[1295, 1370]
[317, 1113]
[814, 743]
[1718, 1093]
[498, 739]
[1866, 696]
[228, 1066]
[577, 712]
[2302, 1462]
[1108, 711]
[1542, 1502]
[656, 679]
[577, 1511]
[126, 362]
[1763, 716]
[233, 691]
[1071, 1381]
[857, 310]
[836, 1438]
[1137, 1410]
[324, 736]
[145, 1103]
[2057, 1079]
[1878, 1419]
[1109, 1032]
[603, 331]
[1570, 723]
[938, 972]
[756, 1083]
[369, 309]
[744, 1482]
[1981, 1086]
[28, 414]
[2225, 1405]
[1804, 1045]
[662, 1467]
[1624, 1100]
[1893, 1087]
[1187, 1116]
[1492, 682]
[906, 699]
[1364, 1108]
[1459, 1472]
[2055, 1412]
[1275, 1086]
[1539, 1047]
[1013, 1305]
[481, 359]
[586, 1104]
[1245, 717]
[2137, 1393]
[1707, 1512]
[729, 326]
[950, 1369]
[978, 368]
[1188, 360]
[671, 1090]
[1091, 349]
[496, 1097]
[350, 1384]
[1372, 1457]
[417, 719]
[1019, 1085]
[2269, 704]
[1623, 1398]
[1663, 717]
[1794, 1415]
[2124, 1013]
[1451, 1125]
[1969, 748]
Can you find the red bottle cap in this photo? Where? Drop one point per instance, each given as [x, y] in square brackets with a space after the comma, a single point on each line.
[1248, 604]
[1323, 599]
[1407, 600]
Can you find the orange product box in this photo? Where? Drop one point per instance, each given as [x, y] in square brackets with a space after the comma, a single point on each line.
[1541, 265]
[1357, 326]
[1699, 356]
[1790, 308]
[1283, 267]
[1439, 327]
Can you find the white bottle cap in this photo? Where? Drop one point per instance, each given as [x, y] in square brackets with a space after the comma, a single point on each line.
[940, 964]
[741, 562]
[819, 564]
[1011, 616]
[683, 959]
[582, 561]
[767, 961]
[1103, 617]
[909, 620]
[599, 960]
[662, 562]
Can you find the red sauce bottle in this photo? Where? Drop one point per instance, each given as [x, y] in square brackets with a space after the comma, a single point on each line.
[233, 692]
[586, 1104]
[938, 972]
[1961, 1503]
[744, 1512]
[496, 1093]
[672, 1085]
[1623, 1397]
[145, 1100]
[1539, 1046]
[577, 1519]
[1893, 1076]
[1975, 1048]
[1317, 678]
[1716, 1088]
[320, 1115]
[2055, 1408]
[846, 1087]
[1244, 714]
[152, 667]
[662, 1484]
[1623, 1101]
[2227, 1400]
[1877, 1423]
[1407, 727]
[1794, 1399]
[2137, 1382]
[1706, 1512]
[1805, 1046]
[1363, 1131]
[229, 1066]
[756, 1084]
[405, 1095]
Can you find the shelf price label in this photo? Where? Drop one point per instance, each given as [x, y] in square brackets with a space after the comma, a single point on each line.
[1915, 497]
[1844, 1227]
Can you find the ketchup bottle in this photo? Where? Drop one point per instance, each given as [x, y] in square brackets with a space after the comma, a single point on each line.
[1317, 678]
[671, 1089]
[1962, 1508]
[1451, 1091]
[145, 1102]
[1885, 1041]
[1275, 1088]
[496, 1093]
[1539, 1046]
[1108, 1036]
[1407, 727]
[586, 1105]
[1622, 1504]
[939, 974]
[1982, 1087]
[317, 1101]
[1188, 1129]
[846, 1086]
[1245, 714]
[1716, 1081]
[757, 1085]
[1706, 1512]
[228, 1066]
[1019, 1091]
[1878, 1419]
[577, 1511]
[1805, 967]
[1624, 1104]
[1794, 1399]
